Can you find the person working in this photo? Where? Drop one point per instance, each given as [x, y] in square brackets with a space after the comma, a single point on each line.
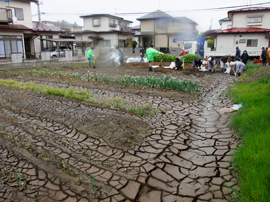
[239, 67]
[90, 55]
[211, 63]
[183, 52]
[245, 57]
[263, 56]
[238, 53]
[268, 55]
[142, 54]
[121, 56]
[224, 61]
[150, 53]
[178, 63]
[197, 62]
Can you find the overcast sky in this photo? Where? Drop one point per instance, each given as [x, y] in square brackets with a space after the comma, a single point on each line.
[70, 10]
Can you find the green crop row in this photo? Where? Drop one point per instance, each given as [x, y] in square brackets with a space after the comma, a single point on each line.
[145, 81]
[166, 58]
[190, 57]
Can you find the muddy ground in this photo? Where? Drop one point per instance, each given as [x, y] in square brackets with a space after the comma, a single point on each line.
[59, 149]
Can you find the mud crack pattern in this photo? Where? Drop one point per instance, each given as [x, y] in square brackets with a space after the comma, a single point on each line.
[62, 150]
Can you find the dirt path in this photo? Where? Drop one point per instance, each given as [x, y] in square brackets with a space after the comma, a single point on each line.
[68, 150]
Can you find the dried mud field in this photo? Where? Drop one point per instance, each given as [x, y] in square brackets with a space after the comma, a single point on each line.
[58, 149]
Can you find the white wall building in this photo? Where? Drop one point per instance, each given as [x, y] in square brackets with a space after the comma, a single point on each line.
[250, 31]
[104, 31]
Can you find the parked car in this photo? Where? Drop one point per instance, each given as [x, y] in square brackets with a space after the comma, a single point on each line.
[54, 54]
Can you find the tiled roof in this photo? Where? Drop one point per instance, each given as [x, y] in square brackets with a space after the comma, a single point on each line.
[225, 19]
[154, 15]
[39, 26]
[248, 9]
[242, 30]
[136, 27]
[104, 15]
[185, 20]
[63, 24]
[14, 27]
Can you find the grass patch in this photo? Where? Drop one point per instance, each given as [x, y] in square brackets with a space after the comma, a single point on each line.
[252, 158]
[82, 95]
[251, 69]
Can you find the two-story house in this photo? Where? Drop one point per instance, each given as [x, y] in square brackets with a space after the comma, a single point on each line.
[250, 30]
[16, 27]
[225, 23]
[159, 28]
[18, 34]
[104, 31]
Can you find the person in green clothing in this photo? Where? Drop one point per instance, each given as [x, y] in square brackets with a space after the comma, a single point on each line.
[150, 53]
[90, 55]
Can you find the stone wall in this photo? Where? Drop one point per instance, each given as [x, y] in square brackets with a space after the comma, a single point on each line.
[45, 55]
[16, 57]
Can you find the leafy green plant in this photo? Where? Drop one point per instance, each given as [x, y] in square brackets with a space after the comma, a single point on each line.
[190, 57]
[166, 58]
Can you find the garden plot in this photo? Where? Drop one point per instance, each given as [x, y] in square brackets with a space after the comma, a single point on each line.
[69, 139]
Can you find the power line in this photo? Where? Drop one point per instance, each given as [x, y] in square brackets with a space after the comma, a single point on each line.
[140, 13]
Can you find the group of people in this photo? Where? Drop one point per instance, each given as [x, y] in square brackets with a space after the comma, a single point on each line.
[225, 62]
[265, 56]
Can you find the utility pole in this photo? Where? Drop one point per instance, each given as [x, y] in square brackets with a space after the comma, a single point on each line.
[39, 18]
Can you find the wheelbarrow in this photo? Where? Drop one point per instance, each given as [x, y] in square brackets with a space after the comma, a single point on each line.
[257, 60]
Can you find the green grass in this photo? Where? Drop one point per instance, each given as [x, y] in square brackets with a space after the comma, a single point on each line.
[252, 158]
[82, 95]
[251, 69]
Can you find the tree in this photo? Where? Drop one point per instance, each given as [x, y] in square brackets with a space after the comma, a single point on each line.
[134, 44]
[129, 42]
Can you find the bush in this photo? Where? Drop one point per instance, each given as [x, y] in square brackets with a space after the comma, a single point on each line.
[166, 58]
[189, 57]
[134, 44]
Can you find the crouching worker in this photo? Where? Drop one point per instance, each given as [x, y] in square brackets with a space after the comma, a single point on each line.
[239, 67]
[197, 62]
[224, 63]
[178, 64]
[150, 53]
[211, 64]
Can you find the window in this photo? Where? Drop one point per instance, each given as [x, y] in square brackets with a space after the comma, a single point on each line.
[254, 19]
[242, 40]
[111, 21]
[96, 22]
[10, 44]
[252, 42]
[187, 46]
[106, 43]
[17, 12]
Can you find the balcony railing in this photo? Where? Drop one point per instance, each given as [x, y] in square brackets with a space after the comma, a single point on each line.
[126, 29]
[5, 15]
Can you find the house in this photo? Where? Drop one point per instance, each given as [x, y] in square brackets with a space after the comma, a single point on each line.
[64, 25]
[16, 28]
[18, 34]
[44, 31]
[104, 31]
[225, 23]
[250, 30]
[159, 28]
